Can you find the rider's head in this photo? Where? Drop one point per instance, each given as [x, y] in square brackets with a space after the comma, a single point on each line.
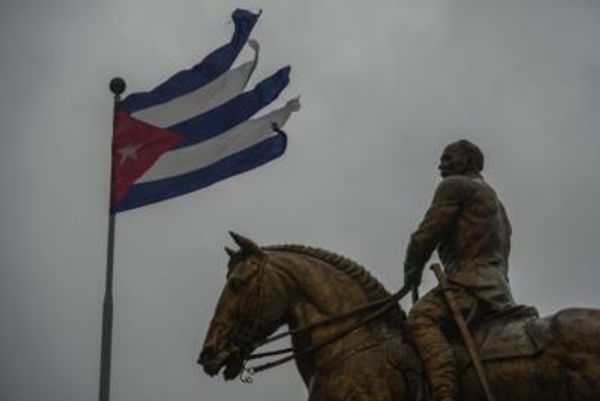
[461, 158]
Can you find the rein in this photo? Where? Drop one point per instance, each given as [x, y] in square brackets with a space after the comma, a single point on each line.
[387, 303]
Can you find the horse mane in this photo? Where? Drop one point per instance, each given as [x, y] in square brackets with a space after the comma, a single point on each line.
[358, 273]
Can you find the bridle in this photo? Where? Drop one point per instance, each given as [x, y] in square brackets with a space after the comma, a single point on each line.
[249, 328]
[247, 332]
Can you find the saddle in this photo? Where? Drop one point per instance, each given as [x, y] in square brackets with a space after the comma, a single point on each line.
[518, 332]
[515, 333]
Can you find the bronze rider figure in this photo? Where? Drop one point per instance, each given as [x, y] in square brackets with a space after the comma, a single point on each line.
[468, 225]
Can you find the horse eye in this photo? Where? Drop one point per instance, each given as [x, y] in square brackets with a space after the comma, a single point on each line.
[236, 284]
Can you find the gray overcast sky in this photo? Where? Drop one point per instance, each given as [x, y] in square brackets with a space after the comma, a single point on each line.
[384, 84]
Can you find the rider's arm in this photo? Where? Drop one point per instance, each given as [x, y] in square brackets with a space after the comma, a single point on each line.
[444, 208]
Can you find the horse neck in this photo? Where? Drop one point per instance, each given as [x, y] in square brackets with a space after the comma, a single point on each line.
[317, 291]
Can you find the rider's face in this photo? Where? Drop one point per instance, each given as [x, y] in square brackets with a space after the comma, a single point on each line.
[453, 162]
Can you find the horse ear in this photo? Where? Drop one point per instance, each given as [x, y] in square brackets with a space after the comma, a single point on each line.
[246, 244]
[230, 252]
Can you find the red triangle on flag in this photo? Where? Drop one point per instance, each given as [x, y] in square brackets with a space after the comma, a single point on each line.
[136, 146]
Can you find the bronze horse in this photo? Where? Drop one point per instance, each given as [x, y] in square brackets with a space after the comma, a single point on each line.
[294, 285]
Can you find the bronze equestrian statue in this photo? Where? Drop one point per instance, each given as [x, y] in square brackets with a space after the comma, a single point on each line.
[352, 341]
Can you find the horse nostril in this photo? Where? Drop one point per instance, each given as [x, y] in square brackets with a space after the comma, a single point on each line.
[207, 353]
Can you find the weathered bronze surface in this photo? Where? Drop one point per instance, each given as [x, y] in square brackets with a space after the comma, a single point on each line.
[559, 360]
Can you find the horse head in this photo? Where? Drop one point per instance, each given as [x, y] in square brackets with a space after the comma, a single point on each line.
[252, 306]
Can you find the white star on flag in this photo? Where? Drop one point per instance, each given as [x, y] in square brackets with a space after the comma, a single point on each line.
[128, 152]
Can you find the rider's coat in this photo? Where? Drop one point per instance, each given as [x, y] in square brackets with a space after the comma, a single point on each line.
[468, 223]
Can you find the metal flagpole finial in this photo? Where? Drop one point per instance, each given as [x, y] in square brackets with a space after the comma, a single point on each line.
[117, 86]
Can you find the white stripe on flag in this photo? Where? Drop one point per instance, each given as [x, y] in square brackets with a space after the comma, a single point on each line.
[190, 158]
[207, 97]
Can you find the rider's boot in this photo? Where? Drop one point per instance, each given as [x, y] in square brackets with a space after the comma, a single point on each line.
[440, 366]
[424, 321]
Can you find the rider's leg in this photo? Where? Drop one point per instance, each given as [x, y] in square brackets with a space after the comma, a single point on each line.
[426, 320]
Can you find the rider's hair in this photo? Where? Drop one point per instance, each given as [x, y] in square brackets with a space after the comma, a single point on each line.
[473, 153]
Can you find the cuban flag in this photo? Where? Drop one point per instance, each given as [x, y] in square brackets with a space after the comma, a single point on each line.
[196, 128]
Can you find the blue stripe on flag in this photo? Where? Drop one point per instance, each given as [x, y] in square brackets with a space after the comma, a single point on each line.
[155, 191]
[232, 113]
[213, 65]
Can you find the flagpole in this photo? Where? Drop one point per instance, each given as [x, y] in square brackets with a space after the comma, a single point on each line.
[117, 87]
